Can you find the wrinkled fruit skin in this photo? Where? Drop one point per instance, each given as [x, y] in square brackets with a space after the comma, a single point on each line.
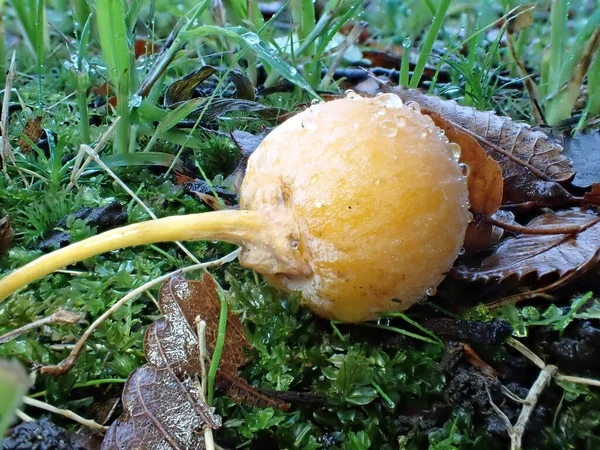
[378, 198]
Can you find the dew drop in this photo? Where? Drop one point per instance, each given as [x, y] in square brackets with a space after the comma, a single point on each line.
[389, 128]
[293, 71]
[431, 291]
[469, 216]
[251, 38]
[413, 106]
[384, 321]
[462, 251]
[315, 102]
[464, 169]
[381, 112]
[400, 120]
[406, 43]
[351, 94]
[454, 150]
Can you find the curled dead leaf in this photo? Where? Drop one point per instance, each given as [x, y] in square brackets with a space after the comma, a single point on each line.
[541, 255]
[485, 175]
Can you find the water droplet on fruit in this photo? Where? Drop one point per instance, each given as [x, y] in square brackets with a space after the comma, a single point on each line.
[431, 291]
[464, 169]
[351, 94]
[454, 150]
[400, 120]
[389, 128]
[414, 106]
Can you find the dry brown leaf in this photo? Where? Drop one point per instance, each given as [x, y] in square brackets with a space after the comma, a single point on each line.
[560, 254]
[593, 197]
[162, 401]
[7, 234]
[531, 146]
[181, 301]
[160, 411]
[34, 131]
[485, 175]
[482, 235]
[526, 147]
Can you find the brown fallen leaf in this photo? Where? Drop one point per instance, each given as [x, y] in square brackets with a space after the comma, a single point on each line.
[33, 131]
[485, 175]
[160, 411]
[162, 401]
[530, 146]
[181, 301]
[184, 88]
[560, 254]
[533, 166]
[482, 235]
[593, 197]
[7, 234]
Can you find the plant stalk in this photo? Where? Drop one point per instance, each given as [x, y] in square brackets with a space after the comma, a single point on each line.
[235, 226]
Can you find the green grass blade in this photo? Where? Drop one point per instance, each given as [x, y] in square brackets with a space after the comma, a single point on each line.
[13, 385]
[436, 26]
[216, 356]
[113, 37]
[558, 24]
[253, 40]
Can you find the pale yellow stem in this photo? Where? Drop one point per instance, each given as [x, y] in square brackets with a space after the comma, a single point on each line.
[235, 226]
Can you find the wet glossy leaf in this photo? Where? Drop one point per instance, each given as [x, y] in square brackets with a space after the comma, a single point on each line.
[183, 89]
[542, 255]
[527, 146]
[7, 235]
[33, 131]
[160, 411]
[173, 339]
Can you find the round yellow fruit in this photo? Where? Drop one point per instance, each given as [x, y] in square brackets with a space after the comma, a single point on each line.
[378, 198]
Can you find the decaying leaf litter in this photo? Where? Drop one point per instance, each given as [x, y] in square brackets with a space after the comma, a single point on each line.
[368, 372]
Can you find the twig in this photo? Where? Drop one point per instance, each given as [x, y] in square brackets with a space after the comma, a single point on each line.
[65, 412]
[77, 171]
[535, 392]
[526, 230]
[521, 348]
[6, 150]
[67, 363]
[209, 440]
[577, 380]
[90, 151]
[24, 417]
[60, 316]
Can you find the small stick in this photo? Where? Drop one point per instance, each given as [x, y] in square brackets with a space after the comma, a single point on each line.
[24, 417]
[65, 412]
[90, 151]
[577, 380]
[67, 363]
[209, 440]
[535, 392]
[77, 171]
[525, 230]
[60, 316]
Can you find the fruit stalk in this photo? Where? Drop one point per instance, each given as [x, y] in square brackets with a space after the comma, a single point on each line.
[245, 228]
